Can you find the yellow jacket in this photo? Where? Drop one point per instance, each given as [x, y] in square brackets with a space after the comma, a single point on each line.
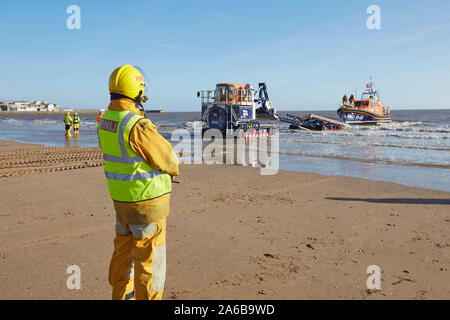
[68, 120]
[146, 142]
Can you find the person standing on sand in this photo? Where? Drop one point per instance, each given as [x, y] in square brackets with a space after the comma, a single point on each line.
[139, 168]
[76, 123]
[68, 123]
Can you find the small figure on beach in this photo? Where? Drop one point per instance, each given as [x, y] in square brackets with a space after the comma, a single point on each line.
[99, 117]
[68, 123]
[76, 124]
[344, 100]
[139, 168]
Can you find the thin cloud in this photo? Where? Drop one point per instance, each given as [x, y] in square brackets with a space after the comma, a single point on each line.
[166, 45]
[445, 14]
[413, 37]
[414, 5]
[221, 16]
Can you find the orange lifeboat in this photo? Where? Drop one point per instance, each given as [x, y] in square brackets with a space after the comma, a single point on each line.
[368, 110]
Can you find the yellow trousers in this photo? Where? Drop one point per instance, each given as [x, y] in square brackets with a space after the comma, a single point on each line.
[75, 128]
[138, 265]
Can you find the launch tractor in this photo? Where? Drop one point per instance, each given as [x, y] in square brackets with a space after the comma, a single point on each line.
[234, 109]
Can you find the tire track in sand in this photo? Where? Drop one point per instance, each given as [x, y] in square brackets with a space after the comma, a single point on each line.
[21, 161]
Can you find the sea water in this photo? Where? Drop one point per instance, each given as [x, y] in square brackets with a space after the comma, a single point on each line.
[413, 150]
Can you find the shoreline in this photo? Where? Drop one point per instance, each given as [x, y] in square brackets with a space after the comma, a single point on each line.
[304, 155]
[232, 233]
[380, 162]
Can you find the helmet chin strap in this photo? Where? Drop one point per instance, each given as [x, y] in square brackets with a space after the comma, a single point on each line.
[139, 100]
[141, 109]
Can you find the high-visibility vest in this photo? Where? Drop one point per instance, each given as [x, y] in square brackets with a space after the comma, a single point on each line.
[76, 119]
[67, 120]
[129, 177]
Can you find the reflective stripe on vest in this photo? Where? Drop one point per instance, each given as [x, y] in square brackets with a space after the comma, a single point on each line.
[129, 177]
[132, 177]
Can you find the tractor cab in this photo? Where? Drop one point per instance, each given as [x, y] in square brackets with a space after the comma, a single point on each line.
[232, 93]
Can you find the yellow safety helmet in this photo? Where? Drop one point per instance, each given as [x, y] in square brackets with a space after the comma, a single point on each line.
[127, 81]
[68, 113]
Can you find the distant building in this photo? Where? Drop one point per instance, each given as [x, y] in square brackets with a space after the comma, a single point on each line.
[28, 106]
[6, 107]
[20, 105]
[50, 107]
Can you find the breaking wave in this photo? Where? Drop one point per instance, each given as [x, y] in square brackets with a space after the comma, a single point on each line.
[371, 160]
[14, 122]
[374, 144]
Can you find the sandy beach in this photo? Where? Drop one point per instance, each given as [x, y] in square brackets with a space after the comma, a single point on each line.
[232, 233]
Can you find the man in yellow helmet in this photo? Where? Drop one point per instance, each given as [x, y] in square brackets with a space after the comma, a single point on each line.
[68, 124]
[139, 167]
[76, 124]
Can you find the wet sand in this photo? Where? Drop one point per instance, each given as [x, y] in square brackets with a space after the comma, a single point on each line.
[232, 233]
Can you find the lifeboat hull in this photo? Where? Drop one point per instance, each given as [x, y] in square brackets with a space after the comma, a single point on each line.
[361, 116]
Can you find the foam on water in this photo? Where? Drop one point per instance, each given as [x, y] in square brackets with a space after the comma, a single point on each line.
[193, 124]
[375, 144]
[403, 135]
[14, 122]
[46, 122]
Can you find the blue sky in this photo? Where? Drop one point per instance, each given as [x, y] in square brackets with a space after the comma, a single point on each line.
[308, 52]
